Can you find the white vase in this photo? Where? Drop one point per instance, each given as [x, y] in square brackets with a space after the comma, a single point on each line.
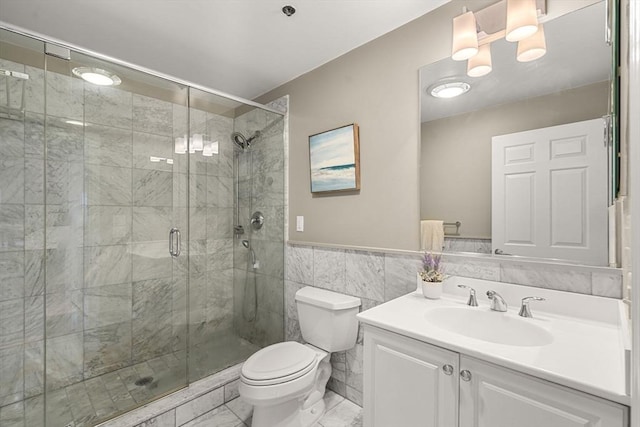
[431, 290]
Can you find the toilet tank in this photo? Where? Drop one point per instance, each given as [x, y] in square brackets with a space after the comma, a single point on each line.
[327, 319]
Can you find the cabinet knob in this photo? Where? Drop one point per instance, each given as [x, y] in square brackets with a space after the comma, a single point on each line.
[465, 375]
[448, 369]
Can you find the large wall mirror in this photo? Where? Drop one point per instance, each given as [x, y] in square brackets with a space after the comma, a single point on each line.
[518, 164]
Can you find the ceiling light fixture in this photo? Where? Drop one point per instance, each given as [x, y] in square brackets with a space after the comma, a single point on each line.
[480, 64]
[533, 47]
[97, 76]
[522, 20]
[465, 36]
[449, 89]
[514, 20]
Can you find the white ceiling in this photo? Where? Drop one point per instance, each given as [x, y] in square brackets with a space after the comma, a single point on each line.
[577, 55]
[241, 47]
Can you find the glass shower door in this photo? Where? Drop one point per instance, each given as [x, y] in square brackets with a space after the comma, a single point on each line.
[21, 230]
[236, 273]
[115, 301]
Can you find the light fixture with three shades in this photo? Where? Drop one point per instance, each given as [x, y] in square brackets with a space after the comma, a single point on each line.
[515, 20]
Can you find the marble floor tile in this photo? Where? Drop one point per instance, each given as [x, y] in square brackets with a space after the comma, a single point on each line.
[219, 417]
[344, 414]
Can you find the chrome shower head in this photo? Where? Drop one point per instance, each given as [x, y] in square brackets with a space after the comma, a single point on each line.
[241, 141]
[245, 243]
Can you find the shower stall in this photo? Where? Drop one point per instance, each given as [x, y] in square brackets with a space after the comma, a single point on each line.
[131, 261]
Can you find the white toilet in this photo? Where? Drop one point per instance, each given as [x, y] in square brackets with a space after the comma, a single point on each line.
[285, 382]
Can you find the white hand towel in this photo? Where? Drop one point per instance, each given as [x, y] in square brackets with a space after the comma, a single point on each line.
[431, 235]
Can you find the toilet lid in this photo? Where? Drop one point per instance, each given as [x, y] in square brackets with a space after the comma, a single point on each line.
[277, 361]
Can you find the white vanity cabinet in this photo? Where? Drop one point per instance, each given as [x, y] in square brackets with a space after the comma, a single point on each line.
[499, 397]
[409, 383]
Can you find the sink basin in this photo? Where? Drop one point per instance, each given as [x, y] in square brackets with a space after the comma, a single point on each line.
[486, 325]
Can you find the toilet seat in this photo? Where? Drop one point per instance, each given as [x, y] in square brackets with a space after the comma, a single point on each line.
[279, 363]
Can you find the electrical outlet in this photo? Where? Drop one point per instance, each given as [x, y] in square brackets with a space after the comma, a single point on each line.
[299, 223]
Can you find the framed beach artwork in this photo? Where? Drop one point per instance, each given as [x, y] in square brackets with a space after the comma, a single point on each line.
[334, 158]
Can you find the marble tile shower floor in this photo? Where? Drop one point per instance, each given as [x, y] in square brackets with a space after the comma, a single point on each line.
[97, 399]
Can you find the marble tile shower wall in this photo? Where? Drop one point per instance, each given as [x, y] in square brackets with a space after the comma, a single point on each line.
[377, 277]
[211, 228]
[21, 243]
[113, 295]
[261, 188]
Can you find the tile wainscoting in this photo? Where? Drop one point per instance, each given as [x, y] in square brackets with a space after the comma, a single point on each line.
[379, 276]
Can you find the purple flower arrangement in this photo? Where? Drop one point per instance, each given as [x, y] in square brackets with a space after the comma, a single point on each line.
[431, 268]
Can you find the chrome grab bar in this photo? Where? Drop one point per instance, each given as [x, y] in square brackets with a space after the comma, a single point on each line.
[174, 242]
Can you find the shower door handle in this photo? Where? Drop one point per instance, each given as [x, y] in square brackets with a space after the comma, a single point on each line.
[174, 242]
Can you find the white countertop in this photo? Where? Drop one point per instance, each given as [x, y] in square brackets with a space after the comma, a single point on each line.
[587, 352]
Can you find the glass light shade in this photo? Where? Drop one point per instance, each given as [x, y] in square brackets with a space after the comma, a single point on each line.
[197, 142]
[180, 146]
[465, 37]
[522, 19]
[480, 64]
[533, 47]
[97, 76]
[449, 90]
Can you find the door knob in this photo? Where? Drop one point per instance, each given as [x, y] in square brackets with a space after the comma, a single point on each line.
[465, 375]
[448, 369]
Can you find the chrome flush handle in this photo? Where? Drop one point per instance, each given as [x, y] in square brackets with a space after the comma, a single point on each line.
[525, 311]
[473, 302]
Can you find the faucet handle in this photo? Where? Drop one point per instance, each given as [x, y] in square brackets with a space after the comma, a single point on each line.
[525, 311]
[473, 302]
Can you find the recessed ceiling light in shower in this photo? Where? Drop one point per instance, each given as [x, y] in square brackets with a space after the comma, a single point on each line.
[97, 76]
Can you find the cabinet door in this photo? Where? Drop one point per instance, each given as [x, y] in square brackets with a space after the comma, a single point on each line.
[405, 383]
[499, 397]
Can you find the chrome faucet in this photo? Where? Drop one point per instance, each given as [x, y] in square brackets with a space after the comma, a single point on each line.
[524, 310]
[473, 302]
[497, 302]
